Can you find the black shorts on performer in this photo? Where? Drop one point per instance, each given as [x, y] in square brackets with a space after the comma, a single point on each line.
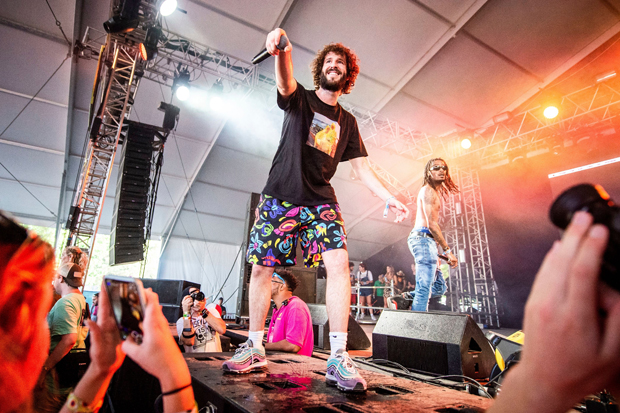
[279, 224]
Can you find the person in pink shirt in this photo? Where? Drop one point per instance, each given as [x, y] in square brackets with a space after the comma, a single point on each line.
[290, 329]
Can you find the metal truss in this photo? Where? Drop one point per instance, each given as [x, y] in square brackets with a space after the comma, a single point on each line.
[582, 113]
[471, 288]
[392, 183]
[118, 81]
[201, 60]
[528, 129]
[381, 132]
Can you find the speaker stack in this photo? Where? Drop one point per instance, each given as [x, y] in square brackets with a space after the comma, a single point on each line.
[356, 339]
[439, 343]
[170, 295]
[127, 237]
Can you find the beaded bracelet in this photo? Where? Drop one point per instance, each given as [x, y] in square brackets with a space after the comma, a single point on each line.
[77, 405]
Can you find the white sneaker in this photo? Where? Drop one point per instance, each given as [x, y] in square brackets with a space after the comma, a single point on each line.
[373, 318]
[362, 315]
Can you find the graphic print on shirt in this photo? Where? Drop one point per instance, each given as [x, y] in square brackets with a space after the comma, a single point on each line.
[324, 134]
[204, 334]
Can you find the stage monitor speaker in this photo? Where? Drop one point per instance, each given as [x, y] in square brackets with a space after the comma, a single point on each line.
[440, 343]
[356, 340]
[127, 237]
[169, 291]
[172, 312]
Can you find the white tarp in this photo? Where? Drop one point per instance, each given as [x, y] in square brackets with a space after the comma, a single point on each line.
[214, 266]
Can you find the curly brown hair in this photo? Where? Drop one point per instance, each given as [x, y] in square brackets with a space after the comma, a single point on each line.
[353, 68]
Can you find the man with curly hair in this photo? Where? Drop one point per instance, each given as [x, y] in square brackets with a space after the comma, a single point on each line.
[298, 201]
[426, 233]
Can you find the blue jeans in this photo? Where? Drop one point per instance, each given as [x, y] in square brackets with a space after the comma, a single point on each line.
[427, 277]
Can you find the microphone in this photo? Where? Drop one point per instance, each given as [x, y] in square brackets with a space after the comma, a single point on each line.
[265, 54]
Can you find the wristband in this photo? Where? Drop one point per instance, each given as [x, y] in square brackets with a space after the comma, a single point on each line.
[190, 336]
[76, 405]
[447, 250]
[187, 330]
[387, 206]
[185, 315]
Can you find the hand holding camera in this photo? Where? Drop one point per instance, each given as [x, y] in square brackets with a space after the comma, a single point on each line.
[187, 304]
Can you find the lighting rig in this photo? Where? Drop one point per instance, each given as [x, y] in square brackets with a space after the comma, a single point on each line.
[119, 70]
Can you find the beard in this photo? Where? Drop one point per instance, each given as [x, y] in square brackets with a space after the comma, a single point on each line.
[332, 86]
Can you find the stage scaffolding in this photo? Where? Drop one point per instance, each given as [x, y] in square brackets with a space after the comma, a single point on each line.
[471, 287]
[118, 76]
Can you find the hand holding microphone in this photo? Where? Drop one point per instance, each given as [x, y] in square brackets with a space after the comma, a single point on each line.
[276, 42]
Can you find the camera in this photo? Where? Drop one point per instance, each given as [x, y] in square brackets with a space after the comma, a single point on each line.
[197, 295]
[594, 200]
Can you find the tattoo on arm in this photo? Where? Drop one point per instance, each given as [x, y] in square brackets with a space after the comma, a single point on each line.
[431, 210]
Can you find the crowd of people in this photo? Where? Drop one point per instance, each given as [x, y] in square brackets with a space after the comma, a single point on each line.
[387, 286]
[34, 339]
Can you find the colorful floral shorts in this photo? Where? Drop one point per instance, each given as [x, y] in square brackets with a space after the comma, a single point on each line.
[273, 239]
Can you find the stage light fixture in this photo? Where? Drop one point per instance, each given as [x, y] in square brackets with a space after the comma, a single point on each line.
[182, 93]
[215, 100]
[551, 103]
[148, 49]
[466, 143]
[551, 112]
[126, 19]
[180, 85]
[502, 117]
[605, 76]
[171, 115]
[168, 7]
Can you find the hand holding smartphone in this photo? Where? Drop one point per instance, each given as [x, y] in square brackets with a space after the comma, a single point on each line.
[127, 299]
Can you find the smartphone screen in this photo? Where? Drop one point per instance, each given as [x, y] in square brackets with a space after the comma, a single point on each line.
[126, 297]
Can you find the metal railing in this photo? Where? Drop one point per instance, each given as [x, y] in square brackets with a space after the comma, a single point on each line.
[358, 307]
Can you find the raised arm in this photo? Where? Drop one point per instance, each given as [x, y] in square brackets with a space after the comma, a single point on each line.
[430, 208]
[285, 80]
[216, 322]
[368, 178]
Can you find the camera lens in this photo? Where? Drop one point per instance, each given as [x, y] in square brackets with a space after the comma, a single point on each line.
[594, 200]
[198, 296]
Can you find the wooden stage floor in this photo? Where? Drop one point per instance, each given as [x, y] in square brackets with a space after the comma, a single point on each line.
[293, 383]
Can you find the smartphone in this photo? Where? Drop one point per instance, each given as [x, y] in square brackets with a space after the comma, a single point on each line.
[126, 296]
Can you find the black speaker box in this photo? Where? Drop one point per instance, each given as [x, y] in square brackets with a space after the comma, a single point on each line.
[131, 199]
[169, 291]
[440, 343]
[172, 312]
[356, 339]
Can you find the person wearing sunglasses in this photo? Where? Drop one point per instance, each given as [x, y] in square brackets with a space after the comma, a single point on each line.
[201, 325]
[290, 328]
[426, 234]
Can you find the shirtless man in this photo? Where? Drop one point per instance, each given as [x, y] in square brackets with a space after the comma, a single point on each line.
[426, 233]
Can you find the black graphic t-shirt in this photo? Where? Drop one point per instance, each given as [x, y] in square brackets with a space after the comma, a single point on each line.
[315, 138]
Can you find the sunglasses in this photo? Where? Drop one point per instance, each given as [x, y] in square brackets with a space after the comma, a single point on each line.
[438, 167]
[278, 277]
[197, 295]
